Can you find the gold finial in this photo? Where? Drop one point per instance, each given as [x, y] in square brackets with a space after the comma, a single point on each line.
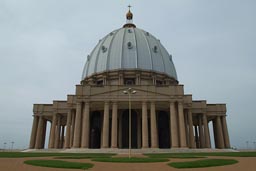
[129, 17]
[129, 14]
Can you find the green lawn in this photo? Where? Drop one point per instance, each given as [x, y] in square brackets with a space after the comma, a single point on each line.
[174, 155]
[89, 156]
[202, 155]
[59, 164]
[25, 154]
[229, 154]
[203, 163]
[130, 160]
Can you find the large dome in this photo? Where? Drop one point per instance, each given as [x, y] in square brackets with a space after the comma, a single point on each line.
[129, 48]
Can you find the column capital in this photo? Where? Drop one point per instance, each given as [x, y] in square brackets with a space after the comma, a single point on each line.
[79, 103]
[190, 111]
[114, 102]
[152, 101]
[79, 100]
[70, 111]
[41, 116]
[172, 101]
[55, 114]
[86, 102]
[180, 102]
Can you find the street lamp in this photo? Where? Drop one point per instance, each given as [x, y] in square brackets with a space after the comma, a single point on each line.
[130, 91]
[12, 144]
[4, 145]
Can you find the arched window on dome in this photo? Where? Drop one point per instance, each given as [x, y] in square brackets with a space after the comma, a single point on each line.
[99, 83]
[129, 81]
[160, 82]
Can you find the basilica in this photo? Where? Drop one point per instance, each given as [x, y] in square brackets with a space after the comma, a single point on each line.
[129, 97]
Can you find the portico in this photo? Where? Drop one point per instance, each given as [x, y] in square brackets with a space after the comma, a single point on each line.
[100, 122]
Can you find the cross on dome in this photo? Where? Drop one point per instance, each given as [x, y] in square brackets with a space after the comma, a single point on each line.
[129, 17]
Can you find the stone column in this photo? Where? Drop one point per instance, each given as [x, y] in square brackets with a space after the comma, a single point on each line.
[105, 143]
[77, 132]
[44, 133]
[57, 133]
[114, 126]
[174, 126]
[33, 132]
[144, 125]
[201, 133]
[206, 132]
[219, 133]
[209, 138]
[52, 131]
[181, 126]
[62, 136]
[196, 137]
[86, 126]
[120, 131]
[225, 132]
[215, 133]
[72, 127]
[68, 130]
[186, 128]
[154, 137]
[191, 132]
[139, 130]
[39, 133]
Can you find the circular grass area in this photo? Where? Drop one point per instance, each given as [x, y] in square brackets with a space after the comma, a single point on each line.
[203, 163]
[174, 155]
[59, 164]
[84, 156]
[42, 154]
[130, 160]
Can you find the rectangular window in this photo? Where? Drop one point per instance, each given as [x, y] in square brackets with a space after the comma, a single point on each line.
[129, 81]
[160, 82]
[99, 83]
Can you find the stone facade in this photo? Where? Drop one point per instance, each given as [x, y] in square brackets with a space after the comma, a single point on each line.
[97, 115]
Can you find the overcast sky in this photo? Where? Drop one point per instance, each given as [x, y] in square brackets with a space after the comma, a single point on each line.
[44, 44]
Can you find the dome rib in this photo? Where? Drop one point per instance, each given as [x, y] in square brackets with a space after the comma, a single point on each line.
[158, 45]
[151, 60]
[122, 53]
[110, 48]
[85, 68]
[136, 46]
[98, 54]
[94, 57]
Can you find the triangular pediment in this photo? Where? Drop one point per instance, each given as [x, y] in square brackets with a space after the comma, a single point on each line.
[142, 91]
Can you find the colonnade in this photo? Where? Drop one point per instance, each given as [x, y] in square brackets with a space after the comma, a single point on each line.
[187, 129]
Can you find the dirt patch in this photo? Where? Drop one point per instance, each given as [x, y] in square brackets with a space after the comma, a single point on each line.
[14, 164]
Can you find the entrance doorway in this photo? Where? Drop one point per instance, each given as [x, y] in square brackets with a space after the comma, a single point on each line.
[163, 129]
[125, 129]
[95, 129]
